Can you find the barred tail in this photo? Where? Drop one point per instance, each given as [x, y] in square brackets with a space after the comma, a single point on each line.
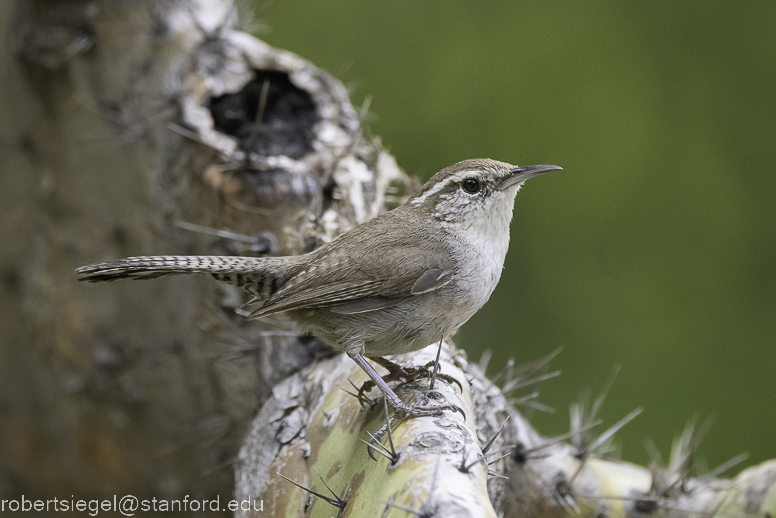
[259, 276]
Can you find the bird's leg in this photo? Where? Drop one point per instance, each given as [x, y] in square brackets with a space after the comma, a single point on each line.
[436, 366]
[398, 405]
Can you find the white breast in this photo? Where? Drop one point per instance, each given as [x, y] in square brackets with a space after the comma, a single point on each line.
[481, 250]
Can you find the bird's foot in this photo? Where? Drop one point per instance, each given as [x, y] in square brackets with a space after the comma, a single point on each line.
[403, 409]
[396, 372]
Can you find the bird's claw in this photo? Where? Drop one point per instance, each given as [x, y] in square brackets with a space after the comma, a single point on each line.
[422, 410]
[374, 439]
[408, 374]
[401, 411]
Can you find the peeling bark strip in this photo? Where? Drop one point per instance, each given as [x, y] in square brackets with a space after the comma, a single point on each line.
[141, 128]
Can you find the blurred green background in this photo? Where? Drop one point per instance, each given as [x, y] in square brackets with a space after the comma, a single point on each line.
[656, 247]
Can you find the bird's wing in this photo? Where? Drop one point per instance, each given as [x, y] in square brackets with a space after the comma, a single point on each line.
[367, 275]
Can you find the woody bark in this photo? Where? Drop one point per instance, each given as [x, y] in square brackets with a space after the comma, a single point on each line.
[149, 128]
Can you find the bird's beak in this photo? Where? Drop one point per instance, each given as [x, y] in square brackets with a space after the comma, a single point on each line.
[521, 174]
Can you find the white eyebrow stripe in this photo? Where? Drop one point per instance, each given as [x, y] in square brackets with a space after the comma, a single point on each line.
[455, 178]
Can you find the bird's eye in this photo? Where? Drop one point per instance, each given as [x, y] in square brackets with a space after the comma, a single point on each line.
[471, 185]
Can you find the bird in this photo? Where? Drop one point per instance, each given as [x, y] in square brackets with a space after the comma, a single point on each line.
[391, 285]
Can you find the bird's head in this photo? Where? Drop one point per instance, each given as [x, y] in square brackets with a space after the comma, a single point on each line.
[475, 192]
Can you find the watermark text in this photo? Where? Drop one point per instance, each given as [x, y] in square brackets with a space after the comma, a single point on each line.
[129, 505]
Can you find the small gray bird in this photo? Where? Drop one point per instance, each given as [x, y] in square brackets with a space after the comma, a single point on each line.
[397, 283]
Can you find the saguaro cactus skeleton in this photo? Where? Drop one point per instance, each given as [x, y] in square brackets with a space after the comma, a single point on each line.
[209, 141]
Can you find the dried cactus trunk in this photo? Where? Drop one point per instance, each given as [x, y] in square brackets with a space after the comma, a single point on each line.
[132, 128]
